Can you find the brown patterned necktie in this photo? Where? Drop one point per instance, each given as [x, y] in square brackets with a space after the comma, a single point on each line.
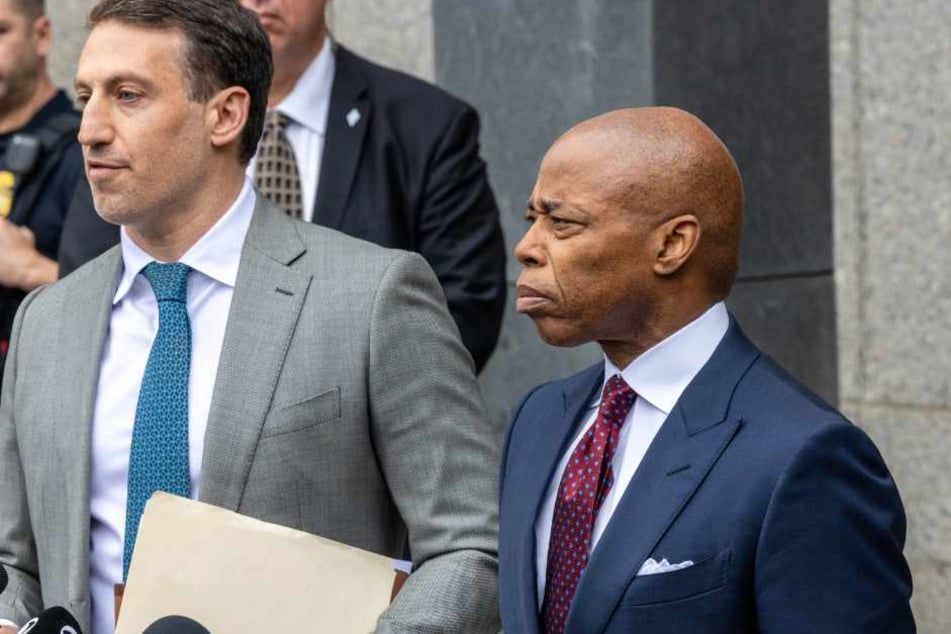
[276, 175]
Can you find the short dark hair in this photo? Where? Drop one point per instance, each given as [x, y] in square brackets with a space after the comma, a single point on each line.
[31, 8]
[225, 46]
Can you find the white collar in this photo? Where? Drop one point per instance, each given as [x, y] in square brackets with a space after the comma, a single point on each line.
[661, 374]
[217, 254]
[309, 102]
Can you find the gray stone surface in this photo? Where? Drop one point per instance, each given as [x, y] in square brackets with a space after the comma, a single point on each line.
[395, 33]
[758, 74]
[892, 140]
[534, 73]
[895, 194]
[793, 321]
[69, 32]
[913, 442]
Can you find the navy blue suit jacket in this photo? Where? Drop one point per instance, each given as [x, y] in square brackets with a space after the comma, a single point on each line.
[786, 508]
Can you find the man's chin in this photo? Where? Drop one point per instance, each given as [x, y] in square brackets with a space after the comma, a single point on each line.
[559, 336]
[113, 211]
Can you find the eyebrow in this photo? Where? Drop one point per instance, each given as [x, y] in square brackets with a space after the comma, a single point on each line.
[114, 80]
[544, 205]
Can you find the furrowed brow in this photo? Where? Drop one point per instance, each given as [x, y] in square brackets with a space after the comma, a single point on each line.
[544, 205]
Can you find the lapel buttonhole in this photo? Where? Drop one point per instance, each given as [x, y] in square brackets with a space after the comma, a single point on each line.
[678, 470]
[284, 291]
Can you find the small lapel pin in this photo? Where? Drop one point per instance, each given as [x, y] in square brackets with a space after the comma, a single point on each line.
[353, 117]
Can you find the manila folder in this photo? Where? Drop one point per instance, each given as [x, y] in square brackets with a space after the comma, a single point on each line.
[232, 573]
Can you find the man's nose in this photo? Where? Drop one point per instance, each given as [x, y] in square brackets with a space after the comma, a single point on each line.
[530, 249]
[95, 128]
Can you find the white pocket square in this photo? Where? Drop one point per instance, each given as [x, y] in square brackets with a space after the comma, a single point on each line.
[653, 567]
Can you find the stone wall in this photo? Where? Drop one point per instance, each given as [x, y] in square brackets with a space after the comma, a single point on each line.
[892, 139]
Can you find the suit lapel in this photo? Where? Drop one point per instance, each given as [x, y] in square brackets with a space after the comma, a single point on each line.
[267, 301]
[554, 429]
[89, 305]
[343, 145]
[687, 446]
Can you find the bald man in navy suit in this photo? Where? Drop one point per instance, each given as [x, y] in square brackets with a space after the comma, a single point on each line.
[685, 483]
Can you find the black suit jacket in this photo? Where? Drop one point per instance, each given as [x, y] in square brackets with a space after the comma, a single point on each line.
[406, 175]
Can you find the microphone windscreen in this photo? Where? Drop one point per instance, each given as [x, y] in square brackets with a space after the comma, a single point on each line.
[176, 625]
[55, 620]
[3, 579]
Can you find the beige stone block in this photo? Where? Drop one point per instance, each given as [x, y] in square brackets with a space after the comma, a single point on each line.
[848, 225]
[893, 214]
[395, 33]
[916, 444]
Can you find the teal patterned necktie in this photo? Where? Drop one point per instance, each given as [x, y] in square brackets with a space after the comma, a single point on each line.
[158, 460]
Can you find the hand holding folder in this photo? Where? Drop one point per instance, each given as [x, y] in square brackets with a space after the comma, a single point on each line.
[232, 573]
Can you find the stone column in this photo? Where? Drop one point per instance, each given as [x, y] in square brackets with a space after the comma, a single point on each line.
[892, 122]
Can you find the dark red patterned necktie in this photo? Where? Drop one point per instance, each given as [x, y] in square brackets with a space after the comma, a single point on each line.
[587, 479]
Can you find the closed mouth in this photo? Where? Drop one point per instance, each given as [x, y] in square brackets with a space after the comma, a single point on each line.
[530, 299]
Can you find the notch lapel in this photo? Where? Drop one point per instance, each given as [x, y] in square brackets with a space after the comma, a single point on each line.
[551, 433]
[266, 305]
[687, 446]
[90, 307]
[344, 142]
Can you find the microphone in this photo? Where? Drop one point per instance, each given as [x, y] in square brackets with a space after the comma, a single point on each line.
[176, 625]
[4, 579]
[55, 620]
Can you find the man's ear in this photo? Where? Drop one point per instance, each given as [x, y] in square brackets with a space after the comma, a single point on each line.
[43, 35]
[227, 115]
[679, 239]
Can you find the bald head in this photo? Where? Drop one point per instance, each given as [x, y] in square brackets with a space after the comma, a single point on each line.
[634, 231]
[661, 163]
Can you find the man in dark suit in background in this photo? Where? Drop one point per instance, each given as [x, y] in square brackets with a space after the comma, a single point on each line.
[371, 152]
[686, 483]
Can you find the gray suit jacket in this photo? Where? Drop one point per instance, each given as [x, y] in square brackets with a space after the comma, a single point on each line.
[344, 406]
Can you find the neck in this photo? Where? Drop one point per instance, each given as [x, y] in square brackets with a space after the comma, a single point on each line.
[289, 68]
[172, 237]
[623, 351]
[20, 116]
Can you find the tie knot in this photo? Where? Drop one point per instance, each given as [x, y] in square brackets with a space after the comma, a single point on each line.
[617, 393]
[169, 281]
[275, 119]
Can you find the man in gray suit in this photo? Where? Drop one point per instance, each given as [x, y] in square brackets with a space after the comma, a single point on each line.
[227, 352]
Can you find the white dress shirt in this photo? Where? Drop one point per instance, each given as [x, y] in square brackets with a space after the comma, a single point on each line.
[132, 329]
[307, 107]
[658, 376]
